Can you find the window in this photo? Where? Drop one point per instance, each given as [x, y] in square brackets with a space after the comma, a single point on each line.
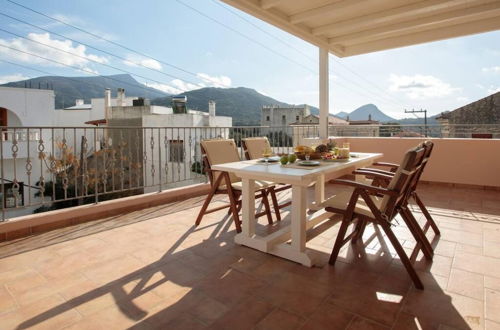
[297, 118]
[268, 118]
[12, 196]
[283, 120]
[176, 150]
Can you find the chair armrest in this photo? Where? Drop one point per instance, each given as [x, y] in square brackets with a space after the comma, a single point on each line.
[376, 174]
[391, 165]
[358, 185]
[376, 170]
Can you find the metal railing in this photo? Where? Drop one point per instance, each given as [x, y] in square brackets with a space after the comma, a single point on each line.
[45, 168]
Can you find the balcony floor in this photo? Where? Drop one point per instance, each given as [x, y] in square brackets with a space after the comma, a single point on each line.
[153, 269]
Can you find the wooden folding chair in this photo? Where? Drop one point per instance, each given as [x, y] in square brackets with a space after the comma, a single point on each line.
[219, 151]
[378, 205]
[252, 148]
[382, 178]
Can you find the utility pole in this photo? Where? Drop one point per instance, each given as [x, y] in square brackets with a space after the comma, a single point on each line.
[424, 111]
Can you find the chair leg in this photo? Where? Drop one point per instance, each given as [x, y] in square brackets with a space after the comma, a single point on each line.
[417, 233]
[426, 213]
[232, 201]
[208, 200]
[360, 229]
[276, 206]
[265, 200]
[238, 205]
[340, 239]
[402, 255]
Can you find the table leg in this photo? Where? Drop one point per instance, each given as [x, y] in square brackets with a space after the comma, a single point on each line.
[319, 193]
[248, 209]
[299, 208]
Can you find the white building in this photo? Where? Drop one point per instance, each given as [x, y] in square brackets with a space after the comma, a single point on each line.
[275, 116]
[22, 167]
[23, 107]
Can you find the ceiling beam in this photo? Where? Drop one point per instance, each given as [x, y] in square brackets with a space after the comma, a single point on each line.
[459, 30]
[429, 22]
[266, 4]
[381, 17]
[281, 21]
[323, 10]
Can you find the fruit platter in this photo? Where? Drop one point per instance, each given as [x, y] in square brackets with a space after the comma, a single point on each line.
[314, 153]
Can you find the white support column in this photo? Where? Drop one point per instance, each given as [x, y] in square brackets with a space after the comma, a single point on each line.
[323, 93]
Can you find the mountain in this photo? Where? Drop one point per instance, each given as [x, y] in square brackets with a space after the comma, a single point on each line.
[241, 103]
[68, 89]
[342, 114]
[363, 112]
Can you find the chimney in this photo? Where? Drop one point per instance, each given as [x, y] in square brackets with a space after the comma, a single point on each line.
[107, 103]
[211, 108]
[120, 97]
[79, 102]
[370, 117]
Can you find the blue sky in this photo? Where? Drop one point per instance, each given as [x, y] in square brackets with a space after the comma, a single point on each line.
[436, 76]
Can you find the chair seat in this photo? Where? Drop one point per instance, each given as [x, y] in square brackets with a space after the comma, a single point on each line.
[259, 184]
[341, 200]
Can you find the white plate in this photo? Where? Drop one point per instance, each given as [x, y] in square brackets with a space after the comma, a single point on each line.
[309, 163]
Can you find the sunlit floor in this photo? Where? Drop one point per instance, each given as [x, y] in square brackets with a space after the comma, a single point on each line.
[154, 269]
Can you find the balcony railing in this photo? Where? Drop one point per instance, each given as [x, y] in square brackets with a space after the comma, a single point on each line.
[44, 168]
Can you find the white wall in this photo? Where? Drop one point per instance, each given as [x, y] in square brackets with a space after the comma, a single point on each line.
[33, 107]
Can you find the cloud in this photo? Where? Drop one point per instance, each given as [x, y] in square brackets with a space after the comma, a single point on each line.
[420, 86]
[81, 61]
[493, 90]
[494, 69]
[462, 99]
[135, 61]
[215, 81]
[12, 77]
[178, 86]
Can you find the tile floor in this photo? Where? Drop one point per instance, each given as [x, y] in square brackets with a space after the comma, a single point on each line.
[153, 269]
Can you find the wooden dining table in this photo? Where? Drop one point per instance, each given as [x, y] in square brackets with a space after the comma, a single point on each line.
[289, 242]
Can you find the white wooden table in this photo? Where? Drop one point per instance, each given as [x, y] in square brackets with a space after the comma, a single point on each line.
[300, 179]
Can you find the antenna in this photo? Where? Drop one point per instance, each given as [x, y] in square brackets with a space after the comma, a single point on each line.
[424, 111]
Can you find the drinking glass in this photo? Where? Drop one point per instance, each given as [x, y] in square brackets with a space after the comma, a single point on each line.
[266, 153]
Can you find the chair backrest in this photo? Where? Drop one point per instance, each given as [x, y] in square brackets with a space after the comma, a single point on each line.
[219, 151]
[403, 179]
[253, 147]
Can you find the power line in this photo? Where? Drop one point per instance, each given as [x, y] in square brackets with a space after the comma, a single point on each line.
[97, 49]
[305, 54]
[53, 74]
[75, 67]
[86, 58]
[110, 41]
[264, 31]
[244, 36]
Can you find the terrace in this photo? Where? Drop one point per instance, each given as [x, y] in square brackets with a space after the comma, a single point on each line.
[141, 262]
[153, 269]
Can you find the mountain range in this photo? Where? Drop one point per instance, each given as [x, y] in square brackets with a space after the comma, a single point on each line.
[68, 89]
[241, 103]
[365, 112]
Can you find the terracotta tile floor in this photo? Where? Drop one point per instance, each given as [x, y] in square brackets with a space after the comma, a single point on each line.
[153, 269]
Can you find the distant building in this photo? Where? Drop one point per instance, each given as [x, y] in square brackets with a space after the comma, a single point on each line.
[369, 121]
[470, 120]
[276, 116]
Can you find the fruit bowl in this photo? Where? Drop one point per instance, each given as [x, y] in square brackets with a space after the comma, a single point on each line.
[312, 155]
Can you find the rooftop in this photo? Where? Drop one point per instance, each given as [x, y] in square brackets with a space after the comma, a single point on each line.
[153, 269]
